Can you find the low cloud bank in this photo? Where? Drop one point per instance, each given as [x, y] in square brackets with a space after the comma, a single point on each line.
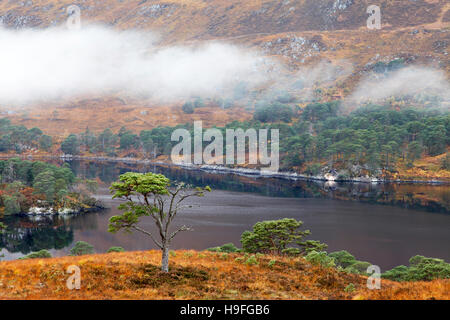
[412, 81]
[41, 65]
[58, 64]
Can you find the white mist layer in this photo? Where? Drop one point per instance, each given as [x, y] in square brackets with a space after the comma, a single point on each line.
[56, 63]
[409, 81]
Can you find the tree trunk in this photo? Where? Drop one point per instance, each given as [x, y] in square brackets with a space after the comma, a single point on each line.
[165, 258]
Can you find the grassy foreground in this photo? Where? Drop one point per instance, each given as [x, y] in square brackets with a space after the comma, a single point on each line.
[197, 275]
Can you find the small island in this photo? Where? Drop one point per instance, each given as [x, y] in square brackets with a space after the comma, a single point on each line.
[40, 188]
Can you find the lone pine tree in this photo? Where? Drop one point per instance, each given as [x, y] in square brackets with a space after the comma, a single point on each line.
[151, 195]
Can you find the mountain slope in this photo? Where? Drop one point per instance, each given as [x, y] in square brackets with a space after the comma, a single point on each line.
[191, 19]
[300, 33]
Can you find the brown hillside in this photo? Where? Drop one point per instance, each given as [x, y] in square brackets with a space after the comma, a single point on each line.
[196, 275]
[195, 19]
[300, 33]
[101, 113]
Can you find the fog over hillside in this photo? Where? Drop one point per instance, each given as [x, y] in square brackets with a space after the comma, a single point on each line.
[410, 81]
[40, 65]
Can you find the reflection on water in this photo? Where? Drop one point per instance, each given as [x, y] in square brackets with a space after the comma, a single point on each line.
[434, 198]
[29, 234]
[384, 224]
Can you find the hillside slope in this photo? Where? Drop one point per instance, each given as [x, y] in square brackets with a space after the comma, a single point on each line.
[299, 33]
[97, 114]
[203, 19]
[301, 30]
[196, 275]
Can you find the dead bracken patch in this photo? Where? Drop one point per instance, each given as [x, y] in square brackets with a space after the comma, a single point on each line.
[151, 275]
[197, 275]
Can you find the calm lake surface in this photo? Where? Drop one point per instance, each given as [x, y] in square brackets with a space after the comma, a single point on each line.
[383, 224]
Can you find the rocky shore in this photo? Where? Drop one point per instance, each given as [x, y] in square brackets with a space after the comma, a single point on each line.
[45, 211]
[330, 175]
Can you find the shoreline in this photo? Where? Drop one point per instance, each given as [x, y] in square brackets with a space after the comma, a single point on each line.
[45, 212]
[217, 169]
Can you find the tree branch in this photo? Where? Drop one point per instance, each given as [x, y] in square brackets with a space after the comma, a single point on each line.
[149, 234]
[182, 228]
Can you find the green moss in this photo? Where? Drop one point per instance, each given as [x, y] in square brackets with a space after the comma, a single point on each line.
[271, 263]
[350, 288]
[224, 256]
[252, 261]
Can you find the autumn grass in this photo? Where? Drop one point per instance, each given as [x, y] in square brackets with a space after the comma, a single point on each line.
[197, 275]
[426, 168]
